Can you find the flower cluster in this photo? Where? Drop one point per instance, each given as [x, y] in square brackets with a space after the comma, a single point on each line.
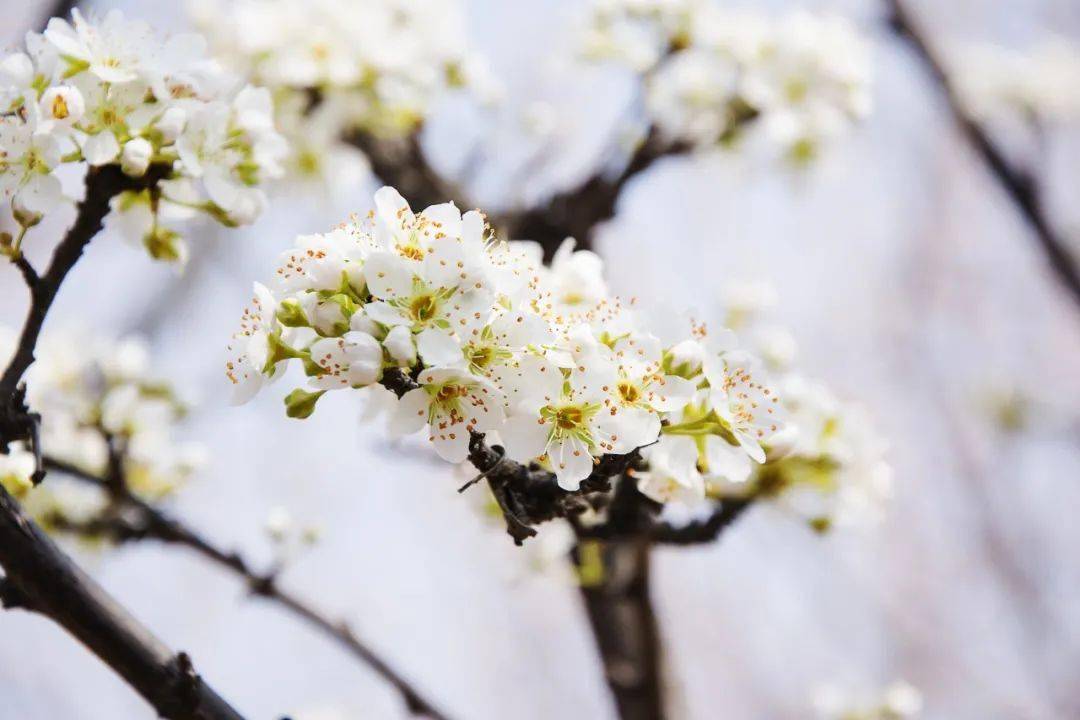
[542, 360]
[827, 465]
[98, 402]
[341, 66]
[1042, 83]
[713, 75]
[92, 94]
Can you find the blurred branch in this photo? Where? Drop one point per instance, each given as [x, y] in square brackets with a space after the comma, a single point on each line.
[60, 9]
[102, 184]
[576, 212]
[39, 577]
[402, 164]
[619, 607]
[149, 522]
[1018, 185]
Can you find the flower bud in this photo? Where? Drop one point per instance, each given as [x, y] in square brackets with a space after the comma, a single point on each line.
[248, 207]
[135, 158]
[64, 104]
[399, 343]
[686, 358]
[171, 124]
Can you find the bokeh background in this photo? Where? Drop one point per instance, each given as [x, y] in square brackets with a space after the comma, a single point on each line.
[911, 286]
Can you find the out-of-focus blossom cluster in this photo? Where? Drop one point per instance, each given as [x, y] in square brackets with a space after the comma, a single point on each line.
[90, 395]
[713, 76]
[337, 67]
[542, 360]
[898, 701]
[88, 93]
[827, 465]
[1042, 82]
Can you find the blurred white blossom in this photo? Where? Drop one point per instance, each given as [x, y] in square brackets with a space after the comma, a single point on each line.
[90, 392]
[542, 360]
[336, 67]
[1041, 82]
[899, 701]
[94, 93]
[712, 75]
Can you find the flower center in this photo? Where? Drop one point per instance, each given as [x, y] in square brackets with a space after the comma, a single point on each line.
[482, 356]
[423, 307]
[569, 418]
[60, 108]
[411, 251]
[629, 391]
[450, 392]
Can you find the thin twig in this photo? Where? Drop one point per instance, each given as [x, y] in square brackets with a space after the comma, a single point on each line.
[1018, 185]
[157, 525]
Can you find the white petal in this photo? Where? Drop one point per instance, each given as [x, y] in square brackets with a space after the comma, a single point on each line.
[672, 394]
[524, 437]
[571, 461]
[388, 275]
[385, 313]
[101, 149]
[411, 412]
[452, 444]
[438, 347]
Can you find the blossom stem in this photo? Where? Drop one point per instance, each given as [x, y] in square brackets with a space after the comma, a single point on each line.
[153, 523]
[1018, 185]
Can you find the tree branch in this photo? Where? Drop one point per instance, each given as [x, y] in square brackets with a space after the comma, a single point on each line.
[1019, 187]
[576, 212]
[153, 523]
[402, 164]
[61, 9]
[41, 578]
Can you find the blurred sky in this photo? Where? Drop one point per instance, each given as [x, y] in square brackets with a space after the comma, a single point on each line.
[911, 286]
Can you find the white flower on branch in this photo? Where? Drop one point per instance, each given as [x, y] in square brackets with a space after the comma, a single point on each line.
[542, 360]
[341, 66]
[97, 398]
[96, 93]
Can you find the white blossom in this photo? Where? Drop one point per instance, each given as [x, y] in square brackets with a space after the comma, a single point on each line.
[542, 360]
[336, 67]
[712, 75]
[112, 92]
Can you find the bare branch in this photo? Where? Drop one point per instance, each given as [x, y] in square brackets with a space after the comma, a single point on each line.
[41, 578]
[153, 523]
[1019, 187]
[576, 212]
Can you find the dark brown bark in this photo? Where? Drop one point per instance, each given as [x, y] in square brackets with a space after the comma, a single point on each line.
[149, 522]
[39, 577]
[624, 626]
[578, 211]
[401, 163]
[1018, 185]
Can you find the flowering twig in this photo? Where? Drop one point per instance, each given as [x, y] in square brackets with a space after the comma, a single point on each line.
[102, 184]
[152, 523]
[1020, 188]
[39, 577]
